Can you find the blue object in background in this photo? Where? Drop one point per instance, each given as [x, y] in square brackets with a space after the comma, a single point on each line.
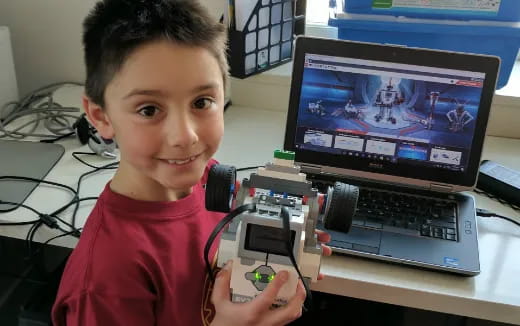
[499, 39]
[508, 10]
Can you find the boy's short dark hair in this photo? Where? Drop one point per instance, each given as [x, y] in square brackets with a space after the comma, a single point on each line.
[115, 28]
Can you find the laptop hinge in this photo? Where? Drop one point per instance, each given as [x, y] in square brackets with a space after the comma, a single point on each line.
[313, 169]
[440, 187]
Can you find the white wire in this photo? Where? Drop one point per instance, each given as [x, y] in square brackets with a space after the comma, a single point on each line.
[57, 120]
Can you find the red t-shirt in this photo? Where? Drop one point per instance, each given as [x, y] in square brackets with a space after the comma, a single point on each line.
[140, 263]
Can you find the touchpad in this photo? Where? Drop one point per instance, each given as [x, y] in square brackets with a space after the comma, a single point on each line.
[365, 240]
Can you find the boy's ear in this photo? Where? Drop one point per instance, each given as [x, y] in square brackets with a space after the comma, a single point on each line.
[98, 118]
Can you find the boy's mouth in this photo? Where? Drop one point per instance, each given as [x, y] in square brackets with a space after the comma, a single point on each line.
[182, 161]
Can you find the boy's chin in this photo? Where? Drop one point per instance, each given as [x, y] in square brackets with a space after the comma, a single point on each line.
[181, 182]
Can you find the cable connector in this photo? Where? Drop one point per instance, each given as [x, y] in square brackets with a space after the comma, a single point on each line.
[48, 220]
[485, 213]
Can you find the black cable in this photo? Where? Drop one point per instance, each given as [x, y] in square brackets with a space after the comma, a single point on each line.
[485, 213]
[76, 208]
[54, 238]
[228, 218]
[19, 205]
[63, 208]
[30, 236]
[18, 178]
[75, 155]
[53, 140]
[500, 200]
[286, 216]
[249, 168]
[62, 235]
[18, 223]
[50, 220]
[43, 219]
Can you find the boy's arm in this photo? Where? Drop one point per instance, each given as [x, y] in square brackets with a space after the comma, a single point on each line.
[89, 309]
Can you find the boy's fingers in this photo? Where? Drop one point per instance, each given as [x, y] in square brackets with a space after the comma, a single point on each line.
[326, 250]
[323, 236]
[292, 310]
[264, 301]
[222, 284]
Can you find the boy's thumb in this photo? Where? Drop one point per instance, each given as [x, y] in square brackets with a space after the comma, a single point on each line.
[222, 284]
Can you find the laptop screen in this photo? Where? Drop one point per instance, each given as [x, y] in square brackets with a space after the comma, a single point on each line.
[396, 114]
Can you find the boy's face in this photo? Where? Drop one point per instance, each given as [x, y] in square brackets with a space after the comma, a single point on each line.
[165, 110]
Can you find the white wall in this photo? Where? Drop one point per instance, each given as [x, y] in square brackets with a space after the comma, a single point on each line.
[46, 38]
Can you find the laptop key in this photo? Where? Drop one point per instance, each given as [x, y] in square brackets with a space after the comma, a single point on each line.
[425, 230]
[449, 219]
[448, 212]
[442, 224]
[451, 237]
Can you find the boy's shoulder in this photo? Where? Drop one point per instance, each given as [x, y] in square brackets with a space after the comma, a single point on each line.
[104, 253]
[111, 243]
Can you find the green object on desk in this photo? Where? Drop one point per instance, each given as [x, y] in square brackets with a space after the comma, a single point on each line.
[284, 155]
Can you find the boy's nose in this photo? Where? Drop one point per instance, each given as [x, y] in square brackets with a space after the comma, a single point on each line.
[182, 132]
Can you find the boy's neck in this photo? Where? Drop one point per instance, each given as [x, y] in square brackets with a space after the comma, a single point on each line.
[130, 183]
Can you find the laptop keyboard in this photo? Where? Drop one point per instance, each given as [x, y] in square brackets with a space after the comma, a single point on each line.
[406, 214]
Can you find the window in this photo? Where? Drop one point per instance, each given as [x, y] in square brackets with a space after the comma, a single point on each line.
[317, 12]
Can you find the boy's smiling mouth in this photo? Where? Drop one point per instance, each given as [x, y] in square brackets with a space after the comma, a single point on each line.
[180, 161]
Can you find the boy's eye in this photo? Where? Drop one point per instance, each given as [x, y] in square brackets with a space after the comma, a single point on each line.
[203, 103]
[148, 111]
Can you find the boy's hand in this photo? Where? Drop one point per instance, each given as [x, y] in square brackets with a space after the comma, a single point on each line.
[257, 311]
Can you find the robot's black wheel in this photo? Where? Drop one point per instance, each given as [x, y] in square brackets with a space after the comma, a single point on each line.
[220, 187]
[342, 202]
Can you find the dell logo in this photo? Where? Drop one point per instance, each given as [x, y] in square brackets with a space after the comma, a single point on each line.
[375, 165]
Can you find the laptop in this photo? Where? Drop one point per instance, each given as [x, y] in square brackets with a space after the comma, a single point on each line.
[24, 159]
[406, 126]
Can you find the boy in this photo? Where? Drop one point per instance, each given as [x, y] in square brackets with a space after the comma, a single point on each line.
[156, 71]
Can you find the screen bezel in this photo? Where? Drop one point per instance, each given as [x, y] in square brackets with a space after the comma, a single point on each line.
[489, 65]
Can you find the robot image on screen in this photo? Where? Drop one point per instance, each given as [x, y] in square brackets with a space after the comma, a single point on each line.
[387, 105]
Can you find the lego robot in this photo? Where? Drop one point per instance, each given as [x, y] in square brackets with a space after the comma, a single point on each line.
[274, 228]
[458, 118]
[385, 100]
[317, 108]
[350, 111]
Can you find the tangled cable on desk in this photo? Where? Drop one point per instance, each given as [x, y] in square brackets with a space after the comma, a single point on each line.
[57, 119]
[53, 220]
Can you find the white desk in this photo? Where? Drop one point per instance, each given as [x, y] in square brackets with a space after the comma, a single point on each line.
[250, 138]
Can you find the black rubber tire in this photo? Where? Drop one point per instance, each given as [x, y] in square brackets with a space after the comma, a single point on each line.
[342, 206]
[219, 188]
